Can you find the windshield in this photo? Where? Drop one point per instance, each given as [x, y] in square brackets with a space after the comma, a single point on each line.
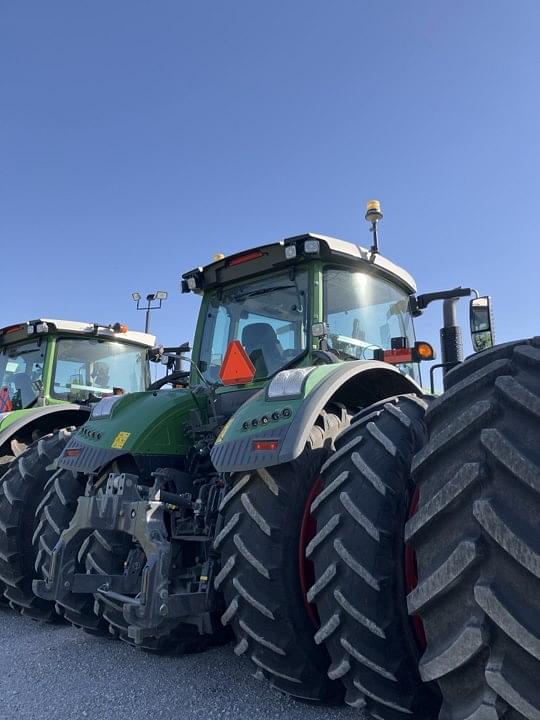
[21, 372]
[88, 369]
[267, 316]
[364, 312]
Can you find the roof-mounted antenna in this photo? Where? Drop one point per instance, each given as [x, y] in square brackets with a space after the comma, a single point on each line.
[373, 215]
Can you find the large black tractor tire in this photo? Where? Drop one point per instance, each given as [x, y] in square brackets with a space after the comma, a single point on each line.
[358, 553]
[106, 554]
[21, 490]
[4, 462]
[477, 537]
[260, 573]
[53, 516]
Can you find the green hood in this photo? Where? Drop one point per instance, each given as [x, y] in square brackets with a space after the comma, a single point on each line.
[142, 423]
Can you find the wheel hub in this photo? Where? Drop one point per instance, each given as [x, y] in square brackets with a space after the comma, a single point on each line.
[411, 577]
[307, 533]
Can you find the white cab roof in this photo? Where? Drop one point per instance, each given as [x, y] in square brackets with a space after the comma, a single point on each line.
[103, 331]
[362, 253]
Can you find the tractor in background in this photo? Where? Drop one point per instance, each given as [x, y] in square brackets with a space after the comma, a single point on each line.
[52, 369]
[51, 374]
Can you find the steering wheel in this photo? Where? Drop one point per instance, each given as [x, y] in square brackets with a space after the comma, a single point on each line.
[178, 377]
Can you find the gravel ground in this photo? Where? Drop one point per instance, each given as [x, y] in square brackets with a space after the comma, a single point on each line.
[58, 672]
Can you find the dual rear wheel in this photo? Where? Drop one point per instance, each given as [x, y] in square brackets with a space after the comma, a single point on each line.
[472, 568]
[327, 617]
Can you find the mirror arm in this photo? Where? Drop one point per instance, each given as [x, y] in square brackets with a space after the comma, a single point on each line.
[422, 301]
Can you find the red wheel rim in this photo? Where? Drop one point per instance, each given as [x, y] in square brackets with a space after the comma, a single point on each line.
[307, 571]
[411, 577]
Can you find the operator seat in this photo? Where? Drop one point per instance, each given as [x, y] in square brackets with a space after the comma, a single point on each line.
[263, 347]
[24, 384]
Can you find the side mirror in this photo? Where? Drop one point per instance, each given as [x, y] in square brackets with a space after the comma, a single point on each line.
[156, 353]
[481, 319]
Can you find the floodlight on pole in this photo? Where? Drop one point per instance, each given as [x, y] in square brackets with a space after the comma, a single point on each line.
[156, 297]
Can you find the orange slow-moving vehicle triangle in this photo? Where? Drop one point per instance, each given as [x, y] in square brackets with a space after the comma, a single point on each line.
[237, 367]
[5, 401]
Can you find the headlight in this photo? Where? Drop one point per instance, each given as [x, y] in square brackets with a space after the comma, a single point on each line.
[288, 383]
[104, 407]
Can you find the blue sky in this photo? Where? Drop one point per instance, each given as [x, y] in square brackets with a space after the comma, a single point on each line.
[138, 139]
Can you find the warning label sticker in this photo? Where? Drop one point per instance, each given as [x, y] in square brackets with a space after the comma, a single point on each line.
[120, 440]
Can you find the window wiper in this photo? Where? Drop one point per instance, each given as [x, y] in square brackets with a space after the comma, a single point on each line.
[31, 403]
[292, 362]
[261, 291]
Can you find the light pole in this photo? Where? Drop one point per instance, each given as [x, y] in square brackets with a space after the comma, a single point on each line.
[156, 297]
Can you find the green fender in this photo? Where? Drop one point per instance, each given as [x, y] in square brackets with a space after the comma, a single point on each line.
[283, 425]
[22, 423]
[141, 425]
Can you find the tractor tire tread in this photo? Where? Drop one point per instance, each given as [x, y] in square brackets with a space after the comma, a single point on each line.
[481, 489]
[22, 487]
[259, 574]
[53, 516]
[359, 577]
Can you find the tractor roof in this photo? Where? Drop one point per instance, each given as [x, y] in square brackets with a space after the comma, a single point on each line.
[267, 258]
[47, 326]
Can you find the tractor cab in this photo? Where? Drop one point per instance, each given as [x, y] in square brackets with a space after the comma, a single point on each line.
[48, 361]
[309, 300]
[49, 366]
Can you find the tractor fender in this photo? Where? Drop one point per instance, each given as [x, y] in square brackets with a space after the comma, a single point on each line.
[355, 384]
[43, 419]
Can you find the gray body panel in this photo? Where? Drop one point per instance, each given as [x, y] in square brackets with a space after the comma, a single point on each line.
[90, 459]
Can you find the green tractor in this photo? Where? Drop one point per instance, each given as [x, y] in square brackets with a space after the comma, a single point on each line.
[270, 495]
[52, 369]
[51, 374]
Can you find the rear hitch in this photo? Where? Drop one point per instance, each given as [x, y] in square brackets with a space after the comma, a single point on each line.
[147, 606]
